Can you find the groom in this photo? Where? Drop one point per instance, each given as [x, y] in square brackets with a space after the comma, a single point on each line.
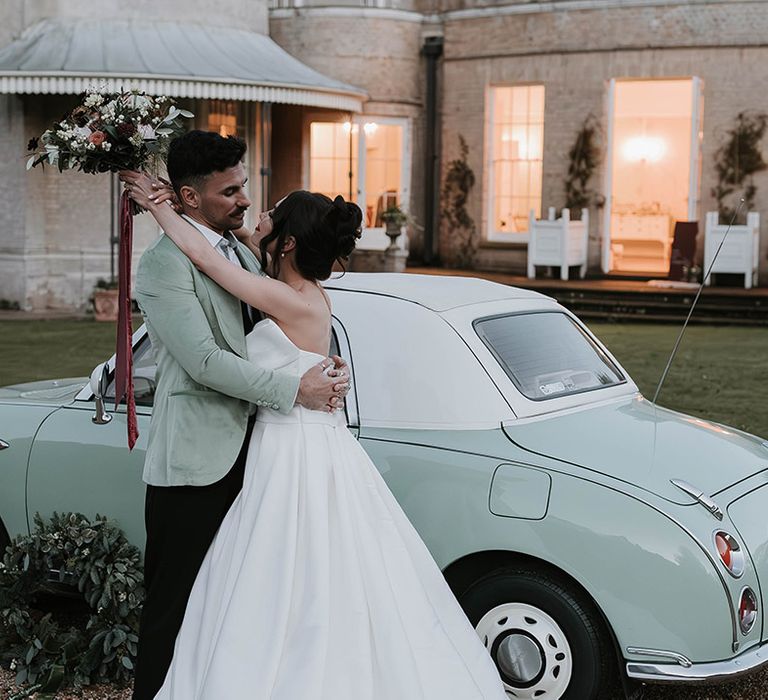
[206, 391]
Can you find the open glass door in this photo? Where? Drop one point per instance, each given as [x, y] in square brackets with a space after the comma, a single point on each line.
[652, 173]
[367, 161]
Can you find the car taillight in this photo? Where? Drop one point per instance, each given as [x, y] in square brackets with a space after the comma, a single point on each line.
[730, 553]
[747, 610]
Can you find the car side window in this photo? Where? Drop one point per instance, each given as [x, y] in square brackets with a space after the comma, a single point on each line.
[144, 369]
[334, 349]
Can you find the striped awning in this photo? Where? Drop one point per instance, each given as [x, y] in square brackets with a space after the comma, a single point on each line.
[67, 56]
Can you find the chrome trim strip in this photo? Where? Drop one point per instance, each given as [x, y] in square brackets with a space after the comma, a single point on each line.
[681, 659]
[4, 445]
[749, 661]
[699, 496]
[353, 417]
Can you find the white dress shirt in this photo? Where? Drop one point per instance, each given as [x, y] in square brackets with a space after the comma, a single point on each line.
[215, 239]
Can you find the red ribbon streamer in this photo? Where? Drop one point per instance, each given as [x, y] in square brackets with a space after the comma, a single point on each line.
[124, 352]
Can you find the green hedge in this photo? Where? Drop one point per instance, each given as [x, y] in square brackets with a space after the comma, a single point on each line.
[96, 559]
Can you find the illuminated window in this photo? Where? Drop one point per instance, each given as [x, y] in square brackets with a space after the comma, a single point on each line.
[375, 182]
[383, 169]
[333, 158]
[222, 117]
[516, 145]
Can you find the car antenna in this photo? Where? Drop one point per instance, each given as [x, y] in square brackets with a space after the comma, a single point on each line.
[695, 301]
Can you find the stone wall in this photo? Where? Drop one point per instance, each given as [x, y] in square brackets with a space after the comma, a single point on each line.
[376, 51]
[575, 54]
[54, 228]
[13, 212]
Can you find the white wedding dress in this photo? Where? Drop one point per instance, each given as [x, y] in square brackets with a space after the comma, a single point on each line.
[317, 587]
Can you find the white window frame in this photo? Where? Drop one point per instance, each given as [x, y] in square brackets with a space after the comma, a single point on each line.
[360, 120]
[695, 158]
[491, 234]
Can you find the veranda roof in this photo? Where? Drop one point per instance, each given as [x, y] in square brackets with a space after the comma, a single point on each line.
[66, 56]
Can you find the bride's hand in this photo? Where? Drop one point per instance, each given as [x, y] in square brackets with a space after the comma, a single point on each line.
[164, 192]
[148, 192]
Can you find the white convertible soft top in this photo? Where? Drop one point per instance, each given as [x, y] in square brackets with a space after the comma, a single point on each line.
[436, 292]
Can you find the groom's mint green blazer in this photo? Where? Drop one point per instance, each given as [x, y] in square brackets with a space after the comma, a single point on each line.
[206, 387]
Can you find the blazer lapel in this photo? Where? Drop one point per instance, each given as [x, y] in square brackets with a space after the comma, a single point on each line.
[227, 310]
[248, 259]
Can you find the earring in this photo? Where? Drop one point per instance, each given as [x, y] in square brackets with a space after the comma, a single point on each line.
[282, 255]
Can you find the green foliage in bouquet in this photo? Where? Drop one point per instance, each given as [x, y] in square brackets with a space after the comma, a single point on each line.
[94, 558]
[108, 132]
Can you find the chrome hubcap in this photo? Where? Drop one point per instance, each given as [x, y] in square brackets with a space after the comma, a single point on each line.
[519, 658]
[530, 650]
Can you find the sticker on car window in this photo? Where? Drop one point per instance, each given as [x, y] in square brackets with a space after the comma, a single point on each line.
[553, 388]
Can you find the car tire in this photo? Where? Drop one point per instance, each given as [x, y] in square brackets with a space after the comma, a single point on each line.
[545, 636]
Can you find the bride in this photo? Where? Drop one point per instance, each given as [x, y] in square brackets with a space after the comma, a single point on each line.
[316, 586]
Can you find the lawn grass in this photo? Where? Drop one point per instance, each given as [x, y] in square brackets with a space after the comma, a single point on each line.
[31, 350]
[720, 372]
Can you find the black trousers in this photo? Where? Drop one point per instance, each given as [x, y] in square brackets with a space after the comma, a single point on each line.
[181, 522]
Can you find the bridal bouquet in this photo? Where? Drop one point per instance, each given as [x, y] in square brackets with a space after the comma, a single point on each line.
[108, 132]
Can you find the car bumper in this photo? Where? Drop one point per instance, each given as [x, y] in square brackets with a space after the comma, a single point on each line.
[683, 672]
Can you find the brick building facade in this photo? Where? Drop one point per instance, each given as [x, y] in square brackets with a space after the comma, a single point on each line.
[550, 65]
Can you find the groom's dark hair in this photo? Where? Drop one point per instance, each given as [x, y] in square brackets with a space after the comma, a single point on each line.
[197, 154]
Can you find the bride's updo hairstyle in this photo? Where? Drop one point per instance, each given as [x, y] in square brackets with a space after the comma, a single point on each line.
[325, 232]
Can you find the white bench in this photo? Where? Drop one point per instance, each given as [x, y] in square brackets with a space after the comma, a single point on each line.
[740, 252]
[558, 242]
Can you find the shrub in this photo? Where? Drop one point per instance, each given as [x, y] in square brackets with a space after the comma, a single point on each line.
[95, 558]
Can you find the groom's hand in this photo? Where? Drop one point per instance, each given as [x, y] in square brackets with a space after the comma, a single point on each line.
[324, 387]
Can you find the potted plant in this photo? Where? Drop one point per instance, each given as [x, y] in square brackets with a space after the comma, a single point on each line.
[394, 219]
[105, 303]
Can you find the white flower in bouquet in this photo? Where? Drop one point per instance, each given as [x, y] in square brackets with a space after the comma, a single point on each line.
[110, 132]
[147, 132]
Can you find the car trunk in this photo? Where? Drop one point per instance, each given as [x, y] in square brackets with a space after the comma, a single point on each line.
[636, 442]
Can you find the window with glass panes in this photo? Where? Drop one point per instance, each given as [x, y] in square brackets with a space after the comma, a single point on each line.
[515, 159]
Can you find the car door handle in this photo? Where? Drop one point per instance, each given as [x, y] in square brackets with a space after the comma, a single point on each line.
[4, 445]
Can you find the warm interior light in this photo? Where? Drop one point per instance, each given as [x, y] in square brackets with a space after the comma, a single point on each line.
[370, 128]
[347, 126]
[644, 148]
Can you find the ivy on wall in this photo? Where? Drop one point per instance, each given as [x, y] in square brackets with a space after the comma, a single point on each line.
[736, 162]
[583, 159]
[461, 232]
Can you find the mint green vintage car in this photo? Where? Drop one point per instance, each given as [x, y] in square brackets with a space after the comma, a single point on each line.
[594, 540]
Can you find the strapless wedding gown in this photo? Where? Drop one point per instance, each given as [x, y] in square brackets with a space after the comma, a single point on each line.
[317, 587]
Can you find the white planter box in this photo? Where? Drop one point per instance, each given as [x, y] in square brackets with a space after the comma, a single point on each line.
[739, 254]
[558, 242]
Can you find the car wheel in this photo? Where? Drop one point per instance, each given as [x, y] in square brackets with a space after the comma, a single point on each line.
[545, 637]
